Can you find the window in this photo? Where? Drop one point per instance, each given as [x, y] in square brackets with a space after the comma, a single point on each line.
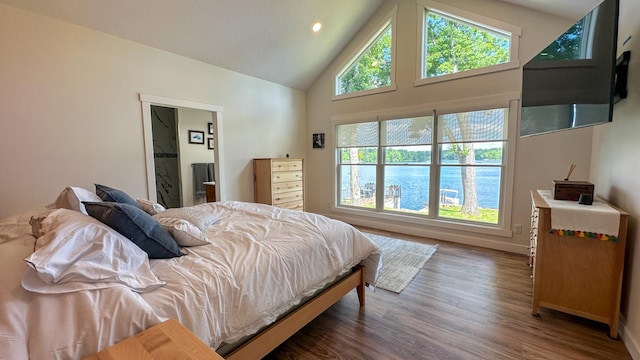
[371, 69]
[358, 157]
[449, 166]
[471, 164]
[405, 148]
[457, 44]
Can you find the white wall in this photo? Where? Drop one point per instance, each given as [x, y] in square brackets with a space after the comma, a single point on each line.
[71, 113]
[615, 171]
[539, 159]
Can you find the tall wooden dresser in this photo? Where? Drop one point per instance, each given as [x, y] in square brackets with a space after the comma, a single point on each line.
[279, 182]
[577, 271]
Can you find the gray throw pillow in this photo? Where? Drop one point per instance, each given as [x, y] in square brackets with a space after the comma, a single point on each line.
[114, 195]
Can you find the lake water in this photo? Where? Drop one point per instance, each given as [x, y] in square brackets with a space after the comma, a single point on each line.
[414, 182]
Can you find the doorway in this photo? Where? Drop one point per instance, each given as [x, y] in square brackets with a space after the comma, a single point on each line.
[166, 157]
[208, 122]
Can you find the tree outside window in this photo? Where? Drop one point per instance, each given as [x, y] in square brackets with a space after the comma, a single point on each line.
[372, 69]
[453, 45]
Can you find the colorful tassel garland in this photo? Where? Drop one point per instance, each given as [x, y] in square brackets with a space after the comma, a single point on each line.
[583, 234]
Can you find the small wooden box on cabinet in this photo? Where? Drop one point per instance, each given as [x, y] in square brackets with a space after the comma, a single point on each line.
[571, 190]
[576, 275]
[279, 182]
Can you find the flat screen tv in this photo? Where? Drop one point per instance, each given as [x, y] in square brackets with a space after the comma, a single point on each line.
[571, 83]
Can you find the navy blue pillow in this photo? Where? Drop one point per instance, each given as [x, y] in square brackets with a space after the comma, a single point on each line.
[114, 195]
[137, 226]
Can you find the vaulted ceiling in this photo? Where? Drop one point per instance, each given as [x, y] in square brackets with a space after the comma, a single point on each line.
[267, 39]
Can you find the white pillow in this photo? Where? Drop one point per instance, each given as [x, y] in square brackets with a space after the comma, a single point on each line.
[82, 253]
[184, 232]
[200, 216]
[150, 207]
[72, 197]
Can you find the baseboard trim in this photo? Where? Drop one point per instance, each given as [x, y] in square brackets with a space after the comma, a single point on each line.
[628, 340]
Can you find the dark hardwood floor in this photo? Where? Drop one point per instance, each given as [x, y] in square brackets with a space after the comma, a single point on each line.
[467, 303]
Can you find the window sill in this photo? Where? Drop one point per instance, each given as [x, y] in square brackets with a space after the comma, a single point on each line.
[468, 73]
[467, 226]
[389, 88]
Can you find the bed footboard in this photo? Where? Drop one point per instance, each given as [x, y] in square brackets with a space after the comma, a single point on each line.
[268, 339]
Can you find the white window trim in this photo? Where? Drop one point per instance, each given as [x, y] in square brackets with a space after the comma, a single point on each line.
[390, 19]
[479, 20]
[503, 228]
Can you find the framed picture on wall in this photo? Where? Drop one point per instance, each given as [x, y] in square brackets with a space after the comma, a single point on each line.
[318, 141]
[210, 127]
[196, 137]
[210, 143]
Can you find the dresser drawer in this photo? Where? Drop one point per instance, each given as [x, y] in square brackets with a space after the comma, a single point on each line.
[280, 187]
[281, 176]
[294, 205]
[286, 165]
[287, 197]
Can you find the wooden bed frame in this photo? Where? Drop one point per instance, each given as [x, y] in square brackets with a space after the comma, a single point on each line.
[264, 342]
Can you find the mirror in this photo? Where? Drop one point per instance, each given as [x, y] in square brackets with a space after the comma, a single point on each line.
[183, 154]
[185, 133]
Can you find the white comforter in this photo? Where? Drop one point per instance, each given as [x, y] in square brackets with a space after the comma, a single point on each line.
[262, 261]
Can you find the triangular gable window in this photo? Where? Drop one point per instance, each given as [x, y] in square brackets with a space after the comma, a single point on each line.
[371, 69]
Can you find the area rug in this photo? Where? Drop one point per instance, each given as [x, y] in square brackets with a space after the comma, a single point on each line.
[401, 261]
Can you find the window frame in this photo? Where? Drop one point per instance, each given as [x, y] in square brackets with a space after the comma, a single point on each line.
[381, 27]
[440, 164]
[503, 227]
[514, 33]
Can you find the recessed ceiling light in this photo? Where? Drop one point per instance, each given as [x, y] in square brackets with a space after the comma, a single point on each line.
[316, 27]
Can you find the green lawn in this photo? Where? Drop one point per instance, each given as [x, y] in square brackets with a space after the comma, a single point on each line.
[489, 216]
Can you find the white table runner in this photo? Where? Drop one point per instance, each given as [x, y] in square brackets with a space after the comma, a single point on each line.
[598, 218]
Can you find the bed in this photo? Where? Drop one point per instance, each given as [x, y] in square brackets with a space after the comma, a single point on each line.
[243, 277]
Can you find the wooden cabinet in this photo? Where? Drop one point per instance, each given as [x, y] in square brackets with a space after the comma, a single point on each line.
[167, 340]
[279, 182]
[210, 191]
[576, 272]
